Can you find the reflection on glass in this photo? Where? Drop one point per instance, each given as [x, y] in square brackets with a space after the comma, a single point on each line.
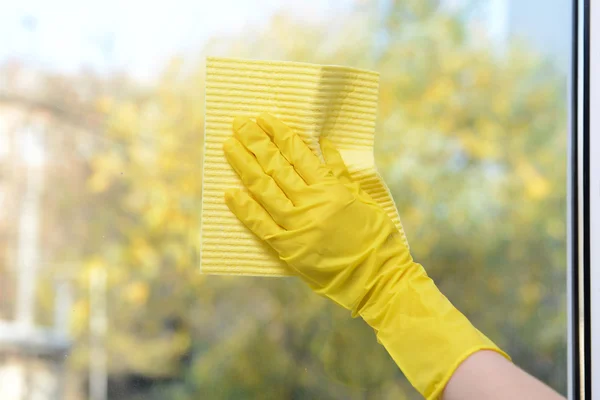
[471, 140]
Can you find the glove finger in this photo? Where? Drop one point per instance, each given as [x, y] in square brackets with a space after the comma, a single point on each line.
[251, 214]
[293, 148]
[334, 161]
[269, 157]
[262, 187]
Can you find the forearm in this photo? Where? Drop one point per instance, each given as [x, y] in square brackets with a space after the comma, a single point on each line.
[487, 375]
[346, 247]
[439, 350]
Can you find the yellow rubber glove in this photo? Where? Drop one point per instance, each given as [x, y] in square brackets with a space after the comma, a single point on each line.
[346, 248]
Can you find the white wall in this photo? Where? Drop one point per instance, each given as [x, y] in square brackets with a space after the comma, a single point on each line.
[32, 379]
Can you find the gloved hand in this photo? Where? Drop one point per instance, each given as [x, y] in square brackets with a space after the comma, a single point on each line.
[346, 248]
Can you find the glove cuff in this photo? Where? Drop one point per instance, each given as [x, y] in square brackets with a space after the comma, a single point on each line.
[425, 334]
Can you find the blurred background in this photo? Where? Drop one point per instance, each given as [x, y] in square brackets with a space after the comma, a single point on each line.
[101, 129]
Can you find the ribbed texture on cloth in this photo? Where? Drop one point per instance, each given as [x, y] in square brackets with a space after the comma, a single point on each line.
[314, 100]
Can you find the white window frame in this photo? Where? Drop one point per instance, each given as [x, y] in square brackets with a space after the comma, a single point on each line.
[594, 136]
[584, 204]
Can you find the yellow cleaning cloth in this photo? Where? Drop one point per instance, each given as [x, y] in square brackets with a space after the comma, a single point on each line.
[314, 100]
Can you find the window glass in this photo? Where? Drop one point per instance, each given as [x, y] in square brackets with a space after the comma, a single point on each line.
[100, 291]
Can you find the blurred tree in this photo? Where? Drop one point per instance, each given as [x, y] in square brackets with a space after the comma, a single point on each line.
[472, 144]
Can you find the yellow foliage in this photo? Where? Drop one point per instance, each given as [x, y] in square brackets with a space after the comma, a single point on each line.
[105, 168]
[125, 122]
[143, 254]
[79, 316]
[536, 185]
[104, 104]
[531, 293]
[93, 263]
[137, 293]
[495, 284]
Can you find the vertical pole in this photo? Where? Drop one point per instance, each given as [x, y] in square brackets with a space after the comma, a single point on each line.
[98, 324]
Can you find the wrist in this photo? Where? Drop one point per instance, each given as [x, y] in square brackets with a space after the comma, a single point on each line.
[385, 288]
[425, 334]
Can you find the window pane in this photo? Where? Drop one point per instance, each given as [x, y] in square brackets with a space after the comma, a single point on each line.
[101, 129]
